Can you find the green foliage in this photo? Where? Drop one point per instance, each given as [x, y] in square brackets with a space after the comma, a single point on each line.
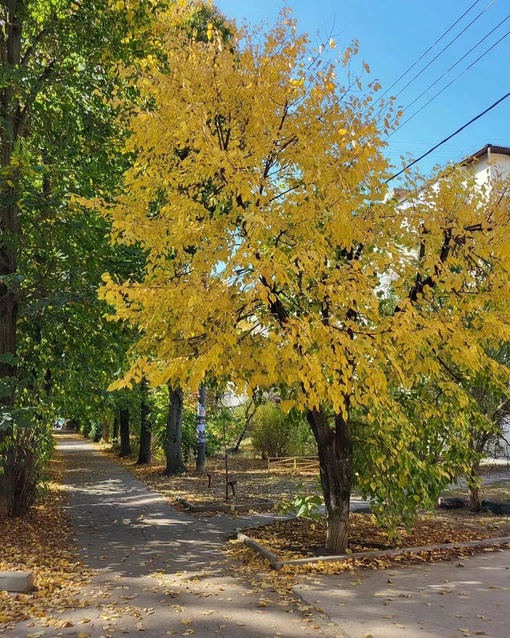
[400, 478]
[198, 24]
[96, 431]
[222, 426]
[275, 433]
[306, 506]
[61, 133]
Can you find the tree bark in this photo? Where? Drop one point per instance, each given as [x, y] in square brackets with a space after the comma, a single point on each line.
[173, 447]
[336, 471]
[249, 413]
[116, 425]
[144, 454]
[474, 503]
[125, 442]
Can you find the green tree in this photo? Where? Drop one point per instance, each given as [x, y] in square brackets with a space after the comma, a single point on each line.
[487, 421]
[58, 133]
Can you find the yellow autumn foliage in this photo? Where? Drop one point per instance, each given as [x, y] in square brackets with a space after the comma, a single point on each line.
[275, 257]
[258, 193]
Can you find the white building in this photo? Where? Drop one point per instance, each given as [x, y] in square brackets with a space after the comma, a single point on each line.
[489, 163]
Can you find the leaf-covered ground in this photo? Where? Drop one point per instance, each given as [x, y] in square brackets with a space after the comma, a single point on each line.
[254, 482]
[42, 542]
[304, 538]
[301, 538]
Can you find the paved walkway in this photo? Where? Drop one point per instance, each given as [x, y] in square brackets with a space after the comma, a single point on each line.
[161, 571]
[468, 597]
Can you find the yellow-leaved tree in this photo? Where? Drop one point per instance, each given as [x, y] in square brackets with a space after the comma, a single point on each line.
[274, 260]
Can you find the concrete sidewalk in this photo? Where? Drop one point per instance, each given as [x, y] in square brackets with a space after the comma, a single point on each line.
[161, 571]
[467, 597]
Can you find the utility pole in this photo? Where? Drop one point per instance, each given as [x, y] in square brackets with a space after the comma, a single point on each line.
[201, 430]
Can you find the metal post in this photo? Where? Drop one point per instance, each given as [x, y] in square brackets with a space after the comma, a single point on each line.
[201, 430]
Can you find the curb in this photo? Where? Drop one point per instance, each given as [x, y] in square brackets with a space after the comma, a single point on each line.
[277, 564]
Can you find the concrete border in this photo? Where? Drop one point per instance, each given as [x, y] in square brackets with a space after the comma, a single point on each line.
[16, 581]
[277, 564]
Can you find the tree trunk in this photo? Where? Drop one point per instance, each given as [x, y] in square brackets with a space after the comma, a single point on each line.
[249, 413]
[336, 472]
[116, 425]
[8, 342]
[125, 442]
[10, 54]
[240, 438]
[106, 431]
[475, 504]
[173, 447]
[144, 454]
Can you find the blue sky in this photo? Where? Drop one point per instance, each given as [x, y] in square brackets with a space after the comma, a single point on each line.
[393, 34]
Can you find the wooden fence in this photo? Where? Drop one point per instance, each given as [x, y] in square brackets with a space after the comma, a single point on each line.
[293, 463]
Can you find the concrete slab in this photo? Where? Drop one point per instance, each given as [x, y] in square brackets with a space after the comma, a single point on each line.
[467, 597]
[20, 582]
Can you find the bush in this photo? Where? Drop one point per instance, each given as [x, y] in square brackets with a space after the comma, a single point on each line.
[275, 433]
[26, 455]
[96, 431]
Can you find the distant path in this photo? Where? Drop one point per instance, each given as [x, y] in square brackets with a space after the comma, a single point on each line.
[161, 571]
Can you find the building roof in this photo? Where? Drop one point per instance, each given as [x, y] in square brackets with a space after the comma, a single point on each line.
[500, 150]
[401, 192]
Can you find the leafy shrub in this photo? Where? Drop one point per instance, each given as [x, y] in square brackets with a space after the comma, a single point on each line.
[303, 505]
[275, 433]
[96, 431]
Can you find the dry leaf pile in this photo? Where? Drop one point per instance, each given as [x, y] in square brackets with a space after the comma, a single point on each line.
[299, 538]
[304, 538]
[41, 542]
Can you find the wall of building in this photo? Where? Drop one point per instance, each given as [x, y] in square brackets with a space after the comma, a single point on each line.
[484, 169]
[501, 166]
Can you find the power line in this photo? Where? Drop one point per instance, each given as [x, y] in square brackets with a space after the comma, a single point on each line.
[477, 117]
[447, 86]
[447, 46]
[459, 61]
[430, 48]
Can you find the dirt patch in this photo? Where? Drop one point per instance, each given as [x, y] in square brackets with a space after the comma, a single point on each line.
[253, 483]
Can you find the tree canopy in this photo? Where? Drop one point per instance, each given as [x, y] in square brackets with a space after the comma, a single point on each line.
[275, 258]
[59, 133]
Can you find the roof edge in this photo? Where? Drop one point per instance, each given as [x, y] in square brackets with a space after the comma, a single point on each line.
[500, 150]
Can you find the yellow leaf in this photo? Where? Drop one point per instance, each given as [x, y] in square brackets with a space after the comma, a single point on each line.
[287, 405]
